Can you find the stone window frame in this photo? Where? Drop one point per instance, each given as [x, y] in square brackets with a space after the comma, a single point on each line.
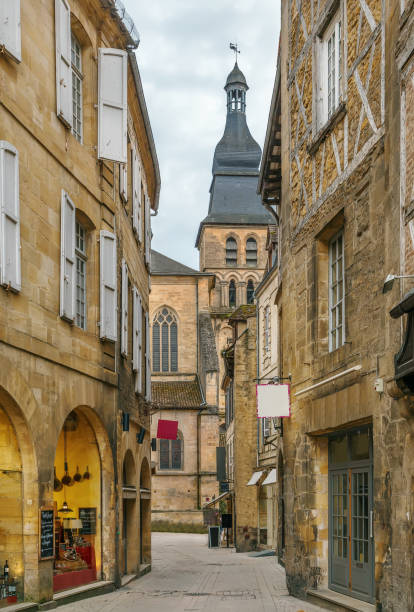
[175, 321]
[170, 467]
[321, 127]
[322, 242]
[267, 330]
[250, 280]
[227, 251]
[246, 251]
[234, 281]
[336, 280]
[77, 93]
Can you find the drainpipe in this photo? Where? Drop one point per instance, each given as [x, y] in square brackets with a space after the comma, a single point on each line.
[257, 376]
[202, 406]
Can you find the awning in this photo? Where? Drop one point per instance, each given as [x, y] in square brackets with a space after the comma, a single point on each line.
[256, 476]
[271, 478]
[219, 498]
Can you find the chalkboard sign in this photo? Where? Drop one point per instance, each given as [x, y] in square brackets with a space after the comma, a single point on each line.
[213, 537]
[46, 533]
[88, 518]
[227, 521]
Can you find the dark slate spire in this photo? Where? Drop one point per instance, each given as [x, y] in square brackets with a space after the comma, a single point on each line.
[237, 151]
[234, 198]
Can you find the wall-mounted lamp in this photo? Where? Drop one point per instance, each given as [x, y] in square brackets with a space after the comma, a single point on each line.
[389, 281]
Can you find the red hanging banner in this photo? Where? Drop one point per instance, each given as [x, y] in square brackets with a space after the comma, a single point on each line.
[167, 430]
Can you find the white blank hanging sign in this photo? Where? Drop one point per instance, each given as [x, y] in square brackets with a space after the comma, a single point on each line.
[273, 400]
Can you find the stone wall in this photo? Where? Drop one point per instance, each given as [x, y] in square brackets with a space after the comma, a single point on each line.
[50, 367]
[345, 175]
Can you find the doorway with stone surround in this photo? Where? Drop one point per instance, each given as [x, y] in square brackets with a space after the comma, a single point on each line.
[351, 538]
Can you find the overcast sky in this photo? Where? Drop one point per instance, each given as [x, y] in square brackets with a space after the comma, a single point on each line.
[184, 59]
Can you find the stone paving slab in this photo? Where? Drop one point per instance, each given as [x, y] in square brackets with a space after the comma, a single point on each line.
[188, 577]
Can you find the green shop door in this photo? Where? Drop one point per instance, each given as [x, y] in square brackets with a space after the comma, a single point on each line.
[351, 541]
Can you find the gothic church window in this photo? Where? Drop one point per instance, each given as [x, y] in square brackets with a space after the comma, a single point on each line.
[250, 291]
[231, 252]
[171, 455]
[165, 341]
[251, 253]
[232, 294]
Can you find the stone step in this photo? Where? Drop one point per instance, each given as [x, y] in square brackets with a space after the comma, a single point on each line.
[337, 602]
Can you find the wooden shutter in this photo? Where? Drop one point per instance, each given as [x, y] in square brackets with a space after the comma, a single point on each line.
[124, 314]
[136, 194]
[112, 105]
[67, 258]
[10, 36]
[147, 231]
[123, 182]
[10, 274]
[108, 322]
[63, 62]
[137, 340]
[148, 359]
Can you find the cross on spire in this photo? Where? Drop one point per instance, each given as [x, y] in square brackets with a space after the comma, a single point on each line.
[235, 47]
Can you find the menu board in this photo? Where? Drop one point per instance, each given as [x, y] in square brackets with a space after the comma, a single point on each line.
[88, 518]
[46, 533]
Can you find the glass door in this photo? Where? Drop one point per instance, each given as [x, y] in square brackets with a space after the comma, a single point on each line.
[351, 537]
[339, 511]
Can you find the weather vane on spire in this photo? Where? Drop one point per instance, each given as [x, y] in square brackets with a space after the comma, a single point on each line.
[235, 48]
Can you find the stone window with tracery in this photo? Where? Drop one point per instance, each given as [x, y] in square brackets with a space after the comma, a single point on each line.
[165, 341]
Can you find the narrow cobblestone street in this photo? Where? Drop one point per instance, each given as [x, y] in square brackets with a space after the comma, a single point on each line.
[186, 575]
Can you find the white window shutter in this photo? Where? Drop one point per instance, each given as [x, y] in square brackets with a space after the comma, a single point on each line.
[123, 182]
[147, 231]
[148, 359]
[63, 62]
[10, 274]
[136, 194]
[137, 340]
[67, 258]
[124, 315]
[10, 35]
[112, 105]
[108, 321]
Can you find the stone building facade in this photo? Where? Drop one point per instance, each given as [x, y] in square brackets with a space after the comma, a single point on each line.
[184, 389]
[79, 178]
[241, 428]
[345, 162]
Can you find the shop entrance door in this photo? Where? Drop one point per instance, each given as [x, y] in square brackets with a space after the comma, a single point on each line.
[351, 541]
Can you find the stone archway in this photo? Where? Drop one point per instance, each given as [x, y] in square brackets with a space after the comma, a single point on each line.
[19, 473]
[145, 512]
[130, 530]
[88, 451]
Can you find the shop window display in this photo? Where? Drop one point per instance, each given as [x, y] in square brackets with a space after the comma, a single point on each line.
[77, 499]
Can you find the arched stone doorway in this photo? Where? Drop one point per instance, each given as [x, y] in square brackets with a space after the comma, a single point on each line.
[145, 512]
[130, 543]
[83, 501]
[18, 484]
